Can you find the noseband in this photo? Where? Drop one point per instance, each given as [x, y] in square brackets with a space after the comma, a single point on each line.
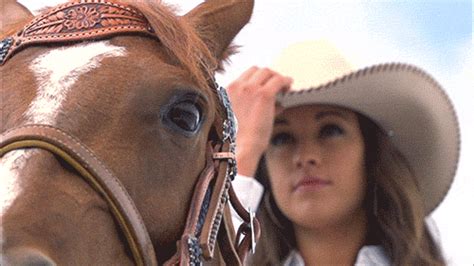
[208, 220]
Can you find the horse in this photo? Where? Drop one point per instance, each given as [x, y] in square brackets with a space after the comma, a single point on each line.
[12, 14]
[117, 146]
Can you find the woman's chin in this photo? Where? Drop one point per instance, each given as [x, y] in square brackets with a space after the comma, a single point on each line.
[312, 215]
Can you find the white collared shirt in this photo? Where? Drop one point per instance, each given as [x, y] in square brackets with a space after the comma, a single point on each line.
[368, 256]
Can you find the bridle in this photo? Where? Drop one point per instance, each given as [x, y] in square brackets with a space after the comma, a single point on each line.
[208, 222]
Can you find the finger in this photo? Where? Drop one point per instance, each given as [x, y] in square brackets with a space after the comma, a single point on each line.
[248, 73]
[240, 82]
[278, 83]
[287, 88]
[261, 76]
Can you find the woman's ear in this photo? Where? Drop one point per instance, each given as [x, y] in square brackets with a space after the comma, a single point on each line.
[219, 21]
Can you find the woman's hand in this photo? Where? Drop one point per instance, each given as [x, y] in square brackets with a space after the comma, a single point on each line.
[253, 98]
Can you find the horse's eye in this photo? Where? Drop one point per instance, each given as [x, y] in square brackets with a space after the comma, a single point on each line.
[186, 115]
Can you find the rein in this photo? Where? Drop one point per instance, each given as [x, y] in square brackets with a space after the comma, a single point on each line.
[208, 222]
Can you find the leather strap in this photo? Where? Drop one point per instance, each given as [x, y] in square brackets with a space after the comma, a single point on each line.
[226, 239]
[206, 213]
[199, 239]
[216, 209]
[78, 20]
[96, 174]
[182, 256]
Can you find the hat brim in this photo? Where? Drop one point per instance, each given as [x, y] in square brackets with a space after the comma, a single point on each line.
[411, 107]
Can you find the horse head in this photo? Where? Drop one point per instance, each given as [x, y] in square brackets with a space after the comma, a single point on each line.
[112, 130]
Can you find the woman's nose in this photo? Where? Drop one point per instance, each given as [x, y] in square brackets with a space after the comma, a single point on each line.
[306, 155]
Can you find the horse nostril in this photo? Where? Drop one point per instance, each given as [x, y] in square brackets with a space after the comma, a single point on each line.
[26, 257]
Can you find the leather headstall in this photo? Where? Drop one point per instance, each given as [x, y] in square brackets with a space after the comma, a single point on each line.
[209, 220]
[205, 225]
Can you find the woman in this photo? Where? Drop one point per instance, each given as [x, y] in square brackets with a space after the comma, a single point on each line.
[352, 161]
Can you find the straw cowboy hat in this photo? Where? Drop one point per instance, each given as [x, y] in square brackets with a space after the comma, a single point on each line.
[406, 102]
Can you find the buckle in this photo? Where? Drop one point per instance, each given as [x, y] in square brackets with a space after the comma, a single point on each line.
[252, 230]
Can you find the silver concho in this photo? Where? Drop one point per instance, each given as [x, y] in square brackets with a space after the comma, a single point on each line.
[5, 45]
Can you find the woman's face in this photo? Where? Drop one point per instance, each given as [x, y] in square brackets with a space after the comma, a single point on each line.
[316, 165]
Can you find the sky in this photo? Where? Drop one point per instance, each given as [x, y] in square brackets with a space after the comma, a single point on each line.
[434, 35]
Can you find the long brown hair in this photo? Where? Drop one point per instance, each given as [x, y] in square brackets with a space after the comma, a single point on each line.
[393, 204]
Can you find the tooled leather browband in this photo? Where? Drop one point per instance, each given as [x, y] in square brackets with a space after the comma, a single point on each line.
[77, 21]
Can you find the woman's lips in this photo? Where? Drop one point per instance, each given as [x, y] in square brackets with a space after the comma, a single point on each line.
[312, 182]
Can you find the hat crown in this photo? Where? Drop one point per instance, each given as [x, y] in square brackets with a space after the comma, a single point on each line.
[312, 64]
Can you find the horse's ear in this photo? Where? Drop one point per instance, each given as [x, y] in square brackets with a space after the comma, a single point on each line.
[11, 14]
[219, 21]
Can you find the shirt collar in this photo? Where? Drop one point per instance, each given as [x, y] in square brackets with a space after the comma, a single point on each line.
[368, 255]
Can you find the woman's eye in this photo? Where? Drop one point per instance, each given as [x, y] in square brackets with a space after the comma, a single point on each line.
[281, 139]
[186, 115]
[331, 130]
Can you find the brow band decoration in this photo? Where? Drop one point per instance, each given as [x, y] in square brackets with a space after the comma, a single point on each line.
[77, 21]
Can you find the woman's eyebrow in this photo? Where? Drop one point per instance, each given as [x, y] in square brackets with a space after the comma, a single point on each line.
[280, 121]
[323, 114]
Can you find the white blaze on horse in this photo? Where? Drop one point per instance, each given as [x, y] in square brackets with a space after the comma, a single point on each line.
[116, 143]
